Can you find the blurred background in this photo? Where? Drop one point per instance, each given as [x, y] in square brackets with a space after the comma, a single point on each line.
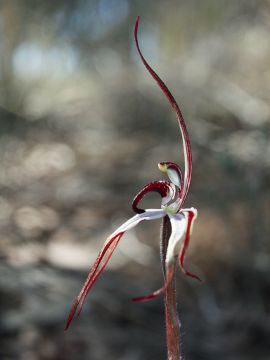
[82, 128]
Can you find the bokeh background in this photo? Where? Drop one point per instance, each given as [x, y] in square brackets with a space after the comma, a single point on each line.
[82, 128]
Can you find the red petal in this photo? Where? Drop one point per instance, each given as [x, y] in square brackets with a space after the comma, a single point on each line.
[98, 272]
[158, 292]
[93, 275]
[151, 296]
[190, 219]
[179, 116]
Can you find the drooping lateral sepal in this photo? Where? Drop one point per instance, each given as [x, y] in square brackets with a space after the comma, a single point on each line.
[190, 216]
[99, 265]
[105, 255]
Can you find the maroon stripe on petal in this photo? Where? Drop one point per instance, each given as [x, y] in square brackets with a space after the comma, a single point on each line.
[93, 275]
[179, 116]
[190, 219]
[99, 271]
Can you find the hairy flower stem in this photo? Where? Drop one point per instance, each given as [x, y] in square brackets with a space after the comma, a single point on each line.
[172, 319]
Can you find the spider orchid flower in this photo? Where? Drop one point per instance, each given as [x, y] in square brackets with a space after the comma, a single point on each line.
[173, 195]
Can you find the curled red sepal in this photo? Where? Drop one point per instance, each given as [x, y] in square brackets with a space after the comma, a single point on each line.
[93, 275]
[190, 218]
[179, 116]
[164, 188]
[158, 292]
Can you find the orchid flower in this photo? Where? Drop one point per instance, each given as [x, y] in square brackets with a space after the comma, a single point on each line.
[173, 194]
